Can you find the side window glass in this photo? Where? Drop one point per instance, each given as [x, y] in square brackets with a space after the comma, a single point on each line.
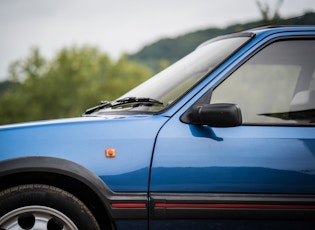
[275, 86]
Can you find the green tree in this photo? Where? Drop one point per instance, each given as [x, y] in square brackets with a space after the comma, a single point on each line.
[75, 79]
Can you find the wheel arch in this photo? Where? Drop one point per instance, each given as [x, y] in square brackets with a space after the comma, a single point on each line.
[64, 174]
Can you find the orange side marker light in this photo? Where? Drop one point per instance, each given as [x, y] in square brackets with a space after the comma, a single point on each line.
[110, 152]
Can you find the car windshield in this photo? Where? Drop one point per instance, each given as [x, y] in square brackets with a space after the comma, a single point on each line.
[173, 82]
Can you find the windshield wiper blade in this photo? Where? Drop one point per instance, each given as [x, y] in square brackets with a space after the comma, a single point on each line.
[99, 106]
[137, 100]
[123, 101]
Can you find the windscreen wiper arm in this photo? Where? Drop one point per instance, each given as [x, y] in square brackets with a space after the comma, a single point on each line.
[99, 106]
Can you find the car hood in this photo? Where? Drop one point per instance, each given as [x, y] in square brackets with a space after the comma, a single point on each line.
[73, 120]
[84, 140]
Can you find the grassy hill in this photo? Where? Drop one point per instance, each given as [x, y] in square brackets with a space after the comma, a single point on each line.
[172, 49]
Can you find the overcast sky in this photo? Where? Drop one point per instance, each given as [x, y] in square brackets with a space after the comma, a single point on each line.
[117, 26]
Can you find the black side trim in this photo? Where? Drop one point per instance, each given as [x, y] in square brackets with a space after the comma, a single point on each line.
[134, 204]
[232, 206]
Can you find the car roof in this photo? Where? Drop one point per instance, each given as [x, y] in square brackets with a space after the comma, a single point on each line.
[264, 31]
[282, 28]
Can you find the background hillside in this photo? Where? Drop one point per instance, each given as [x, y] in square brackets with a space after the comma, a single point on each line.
[169, 50]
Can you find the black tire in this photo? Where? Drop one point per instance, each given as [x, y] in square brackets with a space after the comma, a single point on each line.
[37, 206]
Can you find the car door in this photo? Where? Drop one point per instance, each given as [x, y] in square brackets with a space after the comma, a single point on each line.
[258, 175]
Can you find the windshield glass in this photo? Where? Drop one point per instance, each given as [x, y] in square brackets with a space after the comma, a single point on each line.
[173, 82]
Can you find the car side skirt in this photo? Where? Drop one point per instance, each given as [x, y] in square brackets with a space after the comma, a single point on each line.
[232, 206]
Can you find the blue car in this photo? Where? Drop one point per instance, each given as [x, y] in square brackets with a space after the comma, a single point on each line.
[222, 139]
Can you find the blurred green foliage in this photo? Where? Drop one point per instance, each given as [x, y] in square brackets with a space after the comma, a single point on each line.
[75, 79]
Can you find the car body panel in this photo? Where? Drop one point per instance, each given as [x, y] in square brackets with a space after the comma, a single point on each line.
[84, 140]
[241, 159]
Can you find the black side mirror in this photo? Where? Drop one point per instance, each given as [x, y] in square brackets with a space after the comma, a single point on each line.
[214, 115]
